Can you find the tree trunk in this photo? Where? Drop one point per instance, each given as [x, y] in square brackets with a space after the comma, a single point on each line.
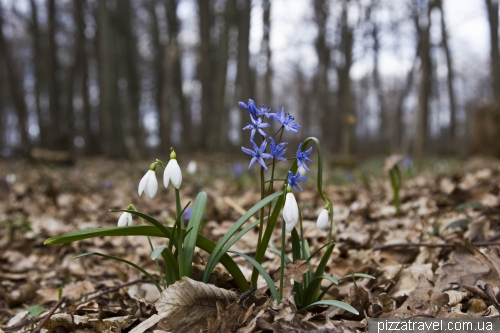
[38, 75]
[492, 8]
[110, 121]
[16, 89]
[205, 73]
[344, 85]
[450, 79]
[175, 93]
[424, 85]
[52, 77]
[326, 116]
[266, 52]
[91, 143]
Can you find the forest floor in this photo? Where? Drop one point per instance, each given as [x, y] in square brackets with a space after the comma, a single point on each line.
[438, 258]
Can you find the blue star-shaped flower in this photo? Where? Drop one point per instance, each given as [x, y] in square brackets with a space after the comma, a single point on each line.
[257, 154]
[254, 112]
[286, 120]
[293, 180]
[256, 125]
[302, 157]
[278, 150]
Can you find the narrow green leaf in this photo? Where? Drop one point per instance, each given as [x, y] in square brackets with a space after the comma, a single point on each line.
[295, 245]
[322, 264]
[172, 272]
[201, 242]
[265, 275]
[361, 275]
[313, 288]
[211, 260]
[195, 222]
[260, 252]
[206, 273]
[125, 261]
[278, 252]
[337, 304]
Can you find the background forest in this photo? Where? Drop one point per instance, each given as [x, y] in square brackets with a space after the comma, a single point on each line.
[130, 78]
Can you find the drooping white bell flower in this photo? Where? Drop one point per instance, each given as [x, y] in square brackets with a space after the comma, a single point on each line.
[290, 210]
[125, 220]
[149, 184]
[191, 167]
[322, 222]
[173, 172]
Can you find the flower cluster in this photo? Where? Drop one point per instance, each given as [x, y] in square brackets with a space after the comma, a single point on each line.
[276, 151]
[149, 185]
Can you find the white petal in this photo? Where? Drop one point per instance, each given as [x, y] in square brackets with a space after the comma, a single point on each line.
[322, 222]
[125, 219]
[152, 185]
[289, 227]
[166, 176]
[290, 210]
[174, 172]
[143, 182]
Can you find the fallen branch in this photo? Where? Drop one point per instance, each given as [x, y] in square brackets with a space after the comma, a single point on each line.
[40, 325]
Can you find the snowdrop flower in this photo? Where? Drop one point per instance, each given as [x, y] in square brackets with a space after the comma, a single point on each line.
[290, 210]
[191, 168]
[301, 170]
[172, 171]
[322, 222]
[149, 184]
[125, 220]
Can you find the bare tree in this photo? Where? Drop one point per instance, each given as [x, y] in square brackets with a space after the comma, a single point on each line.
[52, 75]
[205, 70]
[423, 25]
[450, 79]
[492, 8]
[15, 86]
[265, 51]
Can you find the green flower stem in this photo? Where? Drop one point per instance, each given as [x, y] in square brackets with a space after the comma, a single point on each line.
[162, 278]
[180, 250]
[261, 213]
[282, 268]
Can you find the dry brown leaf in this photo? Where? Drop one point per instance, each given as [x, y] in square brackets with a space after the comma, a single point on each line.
[185, 305]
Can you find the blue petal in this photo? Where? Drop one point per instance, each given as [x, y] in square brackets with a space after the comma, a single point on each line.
[261, 161]
[252, 162]
[248, 151]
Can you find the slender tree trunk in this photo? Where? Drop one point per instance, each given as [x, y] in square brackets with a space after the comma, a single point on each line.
[450, 80]
[244, 79]
[52, 76]
[38, 77]
[91, 146]
[326, 116]
[205, 72]
[384, 130]
[266, 52]
[424, 85]
[110, 120]
[15, 87]
[176, 95]
[344, 89]
[492, 8]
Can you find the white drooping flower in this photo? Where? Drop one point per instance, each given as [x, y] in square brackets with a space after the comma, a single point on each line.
[149, 184]
[172, 172]
[322, 222]
[125, 220]
[290, 211]
[192, 167]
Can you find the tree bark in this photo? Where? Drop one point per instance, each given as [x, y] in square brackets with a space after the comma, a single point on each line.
[16, 88]
[38, 75]
[175, 93]
[344, 85]
[325, 111]
[266, 52]
[205, 73]
[450, 80]
[425, 84]
[52, 77]
[492, 8]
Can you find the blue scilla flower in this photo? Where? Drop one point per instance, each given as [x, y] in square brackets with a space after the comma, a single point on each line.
[293, 180]
[286, 120]
[302, 157]
[256, 125]
[278, 150]
[257, 154]
[254, 112]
